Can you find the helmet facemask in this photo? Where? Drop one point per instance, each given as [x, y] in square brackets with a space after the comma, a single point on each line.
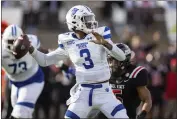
[8, 44]
[115, 66]
[118, 68]
[89, 21]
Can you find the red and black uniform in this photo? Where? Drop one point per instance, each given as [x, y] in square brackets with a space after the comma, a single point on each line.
[124, 87]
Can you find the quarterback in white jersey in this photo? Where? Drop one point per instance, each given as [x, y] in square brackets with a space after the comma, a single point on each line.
[87, 47]
[25, 75]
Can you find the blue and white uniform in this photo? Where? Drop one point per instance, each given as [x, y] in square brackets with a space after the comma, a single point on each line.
[90, 61]
[27, 80]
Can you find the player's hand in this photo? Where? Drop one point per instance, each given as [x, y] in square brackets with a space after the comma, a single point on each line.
[142, 115]
[99, 39]
[26, 39]
[21, 46]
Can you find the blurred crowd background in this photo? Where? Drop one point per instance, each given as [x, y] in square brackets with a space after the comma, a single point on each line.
[148, 27]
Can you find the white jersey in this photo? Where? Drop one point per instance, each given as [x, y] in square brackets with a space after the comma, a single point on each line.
[89, 59]
[19, 70]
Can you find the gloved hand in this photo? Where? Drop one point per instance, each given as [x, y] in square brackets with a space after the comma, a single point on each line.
[142, 115]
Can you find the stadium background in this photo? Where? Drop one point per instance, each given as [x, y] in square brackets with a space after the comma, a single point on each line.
[148, 27]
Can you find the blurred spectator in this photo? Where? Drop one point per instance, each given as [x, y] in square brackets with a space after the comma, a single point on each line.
[50, 13]
[172, 51]
[145, 4]
[31, 15]
[170, 91]
[107, 9]
[156, 87]
[52, 6]
[9, 3]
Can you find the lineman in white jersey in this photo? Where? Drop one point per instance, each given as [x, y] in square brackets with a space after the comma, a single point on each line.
[25, 75]
[92, 71]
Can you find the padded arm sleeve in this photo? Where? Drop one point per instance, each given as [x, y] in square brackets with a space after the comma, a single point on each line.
[116, 52]
[50, 58]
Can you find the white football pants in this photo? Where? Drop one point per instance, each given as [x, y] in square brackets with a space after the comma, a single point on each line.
[95, 96]
[24, 98]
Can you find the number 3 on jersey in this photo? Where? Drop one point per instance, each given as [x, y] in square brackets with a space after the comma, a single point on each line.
[87, 58]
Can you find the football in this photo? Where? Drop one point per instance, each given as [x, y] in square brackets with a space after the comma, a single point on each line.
[21, 47]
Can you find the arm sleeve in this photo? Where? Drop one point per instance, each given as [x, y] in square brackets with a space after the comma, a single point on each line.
[142, 78]
[115, 52]
[50, 58]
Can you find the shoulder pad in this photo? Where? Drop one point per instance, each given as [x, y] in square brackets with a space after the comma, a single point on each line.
[105, 31]
[34, 40]
[64, 37]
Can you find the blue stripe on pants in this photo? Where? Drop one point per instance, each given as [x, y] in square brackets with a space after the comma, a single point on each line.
[71, 115]
[117, 108]
[38, 77]
[26, 104]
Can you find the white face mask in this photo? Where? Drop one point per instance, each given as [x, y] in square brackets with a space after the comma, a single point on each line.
[90, 21]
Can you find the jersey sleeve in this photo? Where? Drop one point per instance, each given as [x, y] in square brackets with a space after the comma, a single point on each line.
[62, 38]
[141, 78]
[34, 41]
[117, 53]
[50, 58]
[105, 31]
[60, 44]
[107, 34]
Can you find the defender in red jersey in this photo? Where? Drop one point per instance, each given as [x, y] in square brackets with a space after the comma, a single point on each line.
[128, 83]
